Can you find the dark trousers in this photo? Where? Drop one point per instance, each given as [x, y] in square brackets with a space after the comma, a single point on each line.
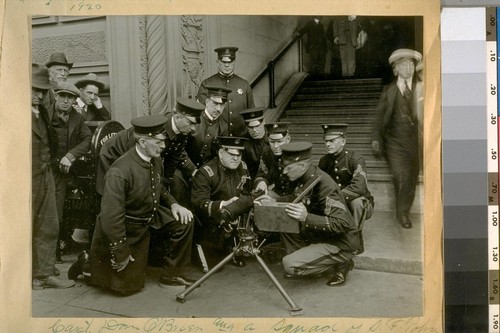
[45, 224]
[404, 165]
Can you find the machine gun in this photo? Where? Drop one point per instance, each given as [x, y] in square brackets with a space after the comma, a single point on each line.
[246, 245]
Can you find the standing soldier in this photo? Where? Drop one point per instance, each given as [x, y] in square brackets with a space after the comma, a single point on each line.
[348, 170]
[257, 139]
[241, 96]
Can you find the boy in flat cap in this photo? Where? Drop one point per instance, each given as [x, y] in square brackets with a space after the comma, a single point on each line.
[89, 104]
[241, 96]
[269, 176]
[348, 169]
[396, 130]
[45, 221]
[328, 235]
[74, 142]
[221, 194]
[134, 202]
[257, 139]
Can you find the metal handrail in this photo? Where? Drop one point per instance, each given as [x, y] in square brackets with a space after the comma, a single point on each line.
[269, 70]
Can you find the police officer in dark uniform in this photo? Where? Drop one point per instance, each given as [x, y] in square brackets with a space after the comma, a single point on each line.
[348, 170]
[241, 96]
[328, 235]
[181, 123]
[221, 194]
[135, 200]
[257, 139]
[212, 125]
[270, 177]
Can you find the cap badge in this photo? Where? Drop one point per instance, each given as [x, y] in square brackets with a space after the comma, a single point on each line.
[275, 126]
[240, 91]
[237, 141]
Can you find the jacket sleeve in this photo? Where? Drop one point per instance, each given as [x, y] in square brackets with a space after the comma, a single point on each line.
[201, 96]
[101, 114]
[84, 138]
[200, 195]
[112, 214]
[359, 182]
[377, 134]
[185, 164]
[335, 218]
[250, 101]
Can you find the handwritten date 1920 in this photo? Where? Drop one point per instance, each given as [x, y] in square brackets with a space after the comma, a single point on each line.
[85, 6]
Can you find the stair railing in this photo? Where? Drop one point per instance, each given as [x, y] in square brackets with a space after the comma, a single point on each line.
[269, 70]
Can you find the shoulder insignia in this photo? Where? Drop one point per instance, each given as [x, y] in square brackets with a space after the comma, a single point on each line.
[209, 170]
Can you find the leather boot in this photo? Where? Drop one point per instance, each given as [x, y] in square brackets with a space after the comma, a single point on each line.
[77, 268]
[340, 275]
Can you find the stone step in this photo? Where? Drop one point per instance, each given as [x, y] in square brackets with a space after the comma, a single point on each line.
[343, 83]
[369, 102]
[349, 111]
[347, 96]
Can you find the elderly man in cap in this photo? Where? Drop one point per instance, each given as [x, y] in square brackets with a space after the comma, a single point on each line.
[134, 202]
[241, 96]
[74, 142]
[269, 176]
[348, 169]
[45, 220]
[396, 130]
[257, 139]
[328, 235]
[59, 68]
[221, 194]
[89, 103]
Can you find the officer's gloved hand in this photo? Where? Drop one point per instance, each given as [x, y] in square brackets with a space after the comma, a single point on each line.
[225, 219]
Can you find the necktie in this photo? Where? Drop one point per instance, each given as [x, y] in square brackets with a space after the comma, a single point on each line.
[407, 91]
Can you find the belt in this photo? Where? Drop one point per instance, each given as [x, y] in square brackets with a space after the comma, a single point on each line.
[138, 220]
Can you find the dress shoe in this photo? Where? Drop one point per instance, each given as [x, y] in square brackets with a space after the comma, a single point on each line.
[51, 282]
[77, 268]
[405, 222]
[166, 281]
[340, 275]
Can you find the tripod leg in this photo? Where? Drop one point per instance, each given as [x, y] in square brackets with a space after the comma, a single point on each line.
[296, 310]
[181, 297]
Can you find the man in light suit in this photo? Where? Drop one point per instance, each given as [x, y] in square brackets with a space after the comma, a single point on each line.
[396, 131]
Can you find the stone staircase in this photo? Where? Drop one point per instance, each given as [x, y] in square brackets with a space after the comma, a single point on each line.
[388, 247]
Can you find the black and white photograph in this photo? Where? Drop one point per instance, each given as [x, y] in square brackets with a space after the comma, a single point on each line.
[227, 166]
[217, 167]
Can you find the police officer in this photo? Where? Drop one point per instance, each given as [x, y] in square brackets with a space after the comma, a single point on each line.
[270, 177]
[241, 96]
[348, 170]
[221, 193]
[257, 139]
[135, 200]
[328, 235]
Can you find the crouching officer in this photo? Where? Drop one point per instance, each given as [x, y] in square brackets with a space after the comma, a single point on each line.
[328, 235]
[135, 200]
[221, 195]
[348, 170]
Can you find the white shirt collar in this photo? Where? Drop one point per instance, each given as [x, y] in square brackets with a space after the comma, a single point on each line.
[141, 155]
[208, 115]
[401, 83]
[174, 128]
[80, 102]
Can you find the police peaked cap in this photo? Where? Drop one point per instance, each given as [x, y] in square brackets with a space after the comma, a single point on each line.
[334, 129]
[153, 126]
[226, 53]
[296, 151]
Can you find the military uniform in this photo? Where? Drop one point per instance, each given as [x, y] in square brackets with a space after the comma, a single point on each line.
[241, 98]
[134, 199]
[252, 155]
[271, 172]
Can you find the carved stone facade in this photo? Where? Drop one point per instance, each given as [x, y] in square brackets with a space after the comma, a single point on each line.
[79, 48]
[143, 62]
[192, 39]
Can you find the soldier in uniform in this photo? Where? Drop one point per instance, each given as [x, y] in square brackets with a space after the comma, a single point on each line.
[328, 235]
[348, 169]
[396, 130]
[270, 177]
[257, 139]
[74, 142]
[241, 96]
[45, 222]
[133, 202]
[221, 194]
[181, 123]
[89, 103]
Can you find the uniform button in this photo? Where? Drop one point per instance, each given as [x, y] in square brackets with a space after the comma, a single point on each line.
[204, 145]
[230, 101]
[336, 162]
[155, 201]
[336, 169]
[153, 194]
[336, 177]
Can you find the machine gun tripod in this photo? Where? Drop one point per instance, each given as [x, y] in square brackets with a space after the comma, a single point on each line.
[247, 240]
